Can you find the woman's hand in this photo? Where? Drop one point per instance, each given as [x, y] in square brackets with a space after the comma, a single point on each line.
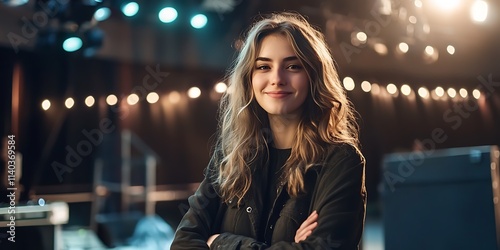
[306, 228]
[211, 239]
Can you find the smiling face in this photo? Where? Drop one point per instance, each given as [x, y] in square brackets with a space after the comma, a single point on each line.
[279, 80]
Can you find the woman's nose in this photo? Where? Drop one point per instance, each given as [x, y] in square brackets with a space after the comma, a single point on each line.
[278, 77]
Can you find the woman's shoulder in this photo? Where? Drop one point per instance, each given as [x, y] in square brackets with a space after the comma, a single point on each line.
[343, 149]
[343, 155]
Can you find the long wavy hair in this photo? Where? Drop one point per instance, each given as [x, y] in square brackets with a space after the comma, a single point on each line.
[244, 132]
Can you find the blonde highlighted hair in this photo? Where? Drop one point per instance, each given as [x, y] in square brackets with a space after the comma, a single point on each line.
[244, 132]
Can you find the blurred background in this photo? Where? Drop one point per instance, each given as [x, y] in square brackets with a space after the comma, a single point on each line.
[112, 107]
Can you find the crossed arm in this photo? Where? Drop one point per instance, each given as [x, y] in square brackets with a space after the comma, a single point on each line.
[304, 230]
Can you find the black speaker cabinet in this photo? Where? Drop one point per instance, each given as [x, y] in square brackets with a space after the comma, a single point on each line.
[442, 199]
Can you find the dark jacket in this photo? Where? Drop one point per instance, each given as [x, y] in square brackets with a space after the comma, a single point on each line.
[335, 189]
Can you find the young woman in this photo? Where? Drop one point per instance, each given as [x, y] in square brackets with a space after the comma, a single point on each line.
[286, 172]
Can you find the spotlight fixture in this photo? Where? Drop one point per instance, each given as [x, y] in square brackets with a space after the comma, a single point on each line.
[199, 21]
[102, 14]
[130, 9]
[167, 15]
[72, 44]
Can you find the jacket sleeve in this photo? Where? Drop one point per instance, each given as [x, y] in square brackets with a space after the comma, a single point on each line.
[339, 197]
[197, 225]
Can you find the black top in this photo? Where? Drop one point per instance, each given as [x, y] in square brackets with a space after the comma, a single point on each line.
[270, 182]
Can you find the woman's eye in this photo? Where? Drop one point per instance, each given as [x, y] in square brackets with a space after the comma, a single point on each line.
[262, 67]
[294, 66]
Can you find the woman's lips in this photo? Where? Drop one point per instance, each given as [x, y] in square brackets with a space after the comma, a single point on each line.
[278, 94]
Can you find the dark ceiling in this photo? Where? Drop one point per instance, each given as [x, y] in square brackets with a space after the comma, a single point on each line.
[144, 39]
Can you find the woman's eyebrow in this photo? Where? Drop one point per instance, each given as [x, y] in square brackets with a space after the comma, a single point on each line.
[288, 58]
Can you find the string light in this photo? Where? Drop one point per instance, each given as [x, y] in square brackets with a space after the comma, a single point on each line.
[418, 3]
[111, 100]
[439, 91]
[405, 90]
[366, 86]
[412, 19]
[452, 92]
[69, 103]
[423, 92]
[429, 50]
[450, 49]
[89, 101]
[476, 93]
[380, 48]
[392, 89]
[132, 99]
[348, 83]
[194, 92]
[220, 87]
[403, 47]
[152, 97]
[45, 104]
[463, 93]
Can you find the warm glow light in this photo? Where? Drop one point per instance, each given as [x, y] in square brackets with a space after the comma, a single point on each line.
[375, 89]
[447, 5]
[479, 11]
[89, 101]
[392, 89]
[405, 89]
[366, 86]
[194, 92]
[220, 87]
[476, 93]
[423, 92]
[361, 36]
[403, 47]
[348, 83]
[452, 92]
[439, 91]
[429, 50]
[412, 19]
[418, 3]
[152, 97]
[450, 49]
[45, 104]
[463, 92]
[111, 100]
[380, 48]
[174, 97]
[69, 103]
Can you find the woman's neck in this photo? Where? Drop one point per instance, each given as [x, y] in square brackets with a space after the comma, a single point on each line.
[284, 129]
